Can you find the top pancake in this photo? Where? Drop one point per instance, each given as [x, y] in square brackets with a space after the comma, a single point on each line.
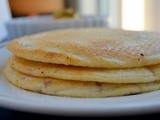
[94, 47]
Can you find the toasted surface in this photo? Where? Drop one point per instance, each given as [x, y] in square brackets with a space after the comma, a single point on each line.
[155, 70]
[74, 88]
[39, 69]
[94, 47]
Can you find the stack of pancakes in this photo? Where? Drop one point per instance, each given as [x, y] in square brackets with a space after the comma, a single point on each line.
[86, 62]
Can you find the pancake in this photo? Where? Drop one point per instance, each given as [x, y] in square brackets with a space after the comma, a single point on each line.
[155, 70]
[59, 87]
[39, 69]
[92, 47]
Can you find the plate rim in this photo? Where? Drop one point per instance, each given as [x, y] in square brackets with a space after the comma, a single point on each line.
[120, 111]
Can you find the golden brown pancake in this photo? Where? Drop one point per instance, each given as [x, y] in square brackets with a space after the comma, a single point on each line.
[39, 69]
[59, 87]
[93, 47]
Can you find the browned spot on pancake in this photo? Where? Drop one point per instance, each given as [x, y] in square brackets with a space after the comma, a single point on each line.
[47, 82]
[99, 86]
[142, 54]
[50, 54]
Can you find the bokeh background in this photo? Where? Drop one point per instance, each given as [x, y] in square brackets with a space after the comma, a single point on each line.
[21, 17]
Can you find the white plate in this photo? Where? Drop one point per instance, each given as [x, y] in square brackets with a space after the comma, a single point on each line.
[18, 99]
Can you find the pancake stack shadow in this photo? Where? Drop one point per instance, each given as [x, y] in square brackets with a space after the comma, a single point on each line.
[88, 63]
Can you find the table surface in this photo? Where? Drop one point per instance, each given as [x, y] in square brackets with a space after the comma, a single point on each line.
[7, 114]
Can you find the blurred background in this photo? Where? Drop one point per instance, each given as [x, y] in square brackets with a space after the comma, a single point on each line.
[21, 17]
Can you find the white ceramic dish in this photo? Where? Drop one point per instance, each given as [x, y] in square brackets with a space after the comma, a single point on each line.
[18, 99]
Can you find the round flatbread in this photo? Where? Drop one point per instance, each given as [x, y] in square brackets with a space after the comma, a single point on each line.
[94, 47]
[39, 69]
[59, 87]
